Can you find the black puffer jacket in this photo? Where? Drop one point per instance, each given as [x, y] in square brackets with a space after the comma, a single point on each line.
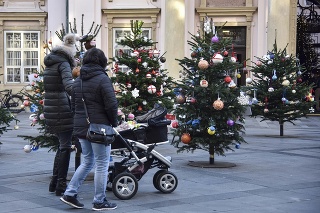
[58, 82]
[99, 96]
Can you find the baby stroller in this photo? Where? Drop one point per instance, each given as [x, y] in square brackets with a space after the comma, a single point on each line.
[136, 146]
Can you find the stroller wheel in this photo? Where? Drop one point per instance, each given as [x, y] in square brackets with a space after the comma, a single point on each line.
[155, 176]
[166, 182]
[125, 186]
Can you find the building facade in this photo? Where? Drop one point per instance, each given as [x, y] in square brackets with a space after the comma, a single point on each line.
[27, 25]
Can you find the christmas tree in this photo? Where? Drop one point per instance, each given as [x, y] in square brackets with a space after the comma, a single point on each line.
[280, 93]
[209, 115]
[34, 93]
[6, 117]
[143, 83]
[34, 98]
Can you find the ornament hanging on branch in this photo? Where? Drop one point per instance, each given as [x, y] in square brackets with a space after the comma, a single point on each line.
[152, 89]
[185, 138]
[218, 104]
[217, 58]
[203, 64]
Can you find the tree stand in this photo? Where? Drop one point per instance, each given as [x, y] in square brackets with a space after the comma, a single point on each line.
[211, 163]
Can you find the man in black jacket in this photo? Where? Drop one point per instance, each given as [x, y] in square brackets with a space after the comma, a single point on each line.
[57, 107]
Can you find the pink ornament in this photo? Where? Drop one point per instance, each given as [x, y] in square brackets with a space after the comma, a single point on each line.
[259, 63]
[34, 120]
[41, 116]
[131, 116]
[120, 112]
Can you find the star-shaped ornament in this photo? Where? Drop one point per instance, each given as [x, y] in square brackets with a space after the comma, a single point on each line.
[135, 93]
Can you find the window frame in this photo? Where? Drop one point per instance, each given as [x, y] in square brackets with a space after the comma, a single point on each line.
[25, 68]
[124, 68]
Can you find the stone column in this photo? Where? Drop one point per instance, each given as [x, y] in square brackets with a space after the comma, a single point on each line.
[281, 24]
[174, 38]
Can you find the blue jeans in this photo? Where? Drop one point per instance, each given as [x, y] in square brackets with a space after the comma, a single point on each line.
[92, 153]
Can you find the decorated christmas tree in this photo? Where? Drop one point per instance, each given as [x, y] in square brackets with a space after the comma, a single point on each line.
[141, 82]
[33, 99]
[280, 93]
[209, 115]
[34, 93]
[6, 117]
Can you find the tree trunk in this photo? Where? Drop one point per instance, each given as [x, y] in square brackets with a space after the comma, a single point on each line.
[281, 128]
[211, 152]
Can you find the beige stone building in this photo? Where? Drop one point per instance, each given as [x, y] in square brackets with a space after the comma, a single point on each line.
[26, 25]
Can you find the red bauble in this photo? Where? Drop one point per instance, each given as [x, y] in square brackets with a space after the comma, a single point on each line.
[174, 124]
[225, 53]
[26, 103]
[185, 138]
[193, 100]
[227, 79]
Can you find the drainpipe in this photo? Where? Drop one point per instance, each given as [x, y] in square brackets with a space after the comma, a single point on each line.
[67, 16]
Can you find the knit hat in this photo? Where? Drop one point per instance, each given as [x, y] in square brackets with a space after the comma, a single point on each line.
[69, 43]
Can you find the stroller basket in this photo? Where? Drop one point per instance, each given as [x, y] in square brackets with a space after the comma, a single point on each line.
[144, 134]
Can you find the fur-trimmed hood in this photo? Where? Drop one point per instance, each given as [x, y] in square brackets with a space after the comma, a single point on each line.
[60, 54]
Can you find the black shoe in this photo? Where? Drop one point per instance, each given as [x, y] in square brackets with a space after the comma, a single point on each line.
[53, 183]
[104, 206]
[72, 201]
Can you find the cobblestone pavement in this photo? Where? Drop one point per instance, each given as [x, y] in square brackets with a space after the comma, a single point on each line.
[273, 174]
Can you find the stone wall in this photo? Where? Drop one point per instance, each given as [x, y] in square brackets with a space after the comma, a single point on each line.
[226, 3]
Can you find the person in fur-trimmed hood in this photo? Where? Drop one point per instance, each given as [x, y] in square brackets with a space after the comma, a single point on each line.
[57, 79]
